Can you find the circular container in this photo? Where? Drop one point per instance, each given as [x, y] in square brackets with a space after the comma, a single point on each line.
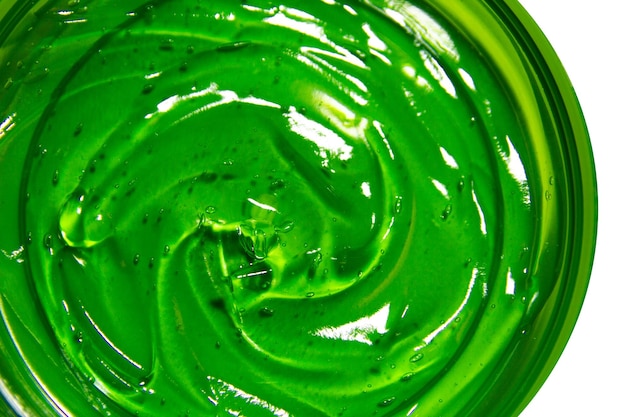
[478, 179]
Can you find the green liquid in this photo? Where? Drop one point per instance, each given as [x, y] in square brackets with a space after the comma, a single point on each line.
[261, 209]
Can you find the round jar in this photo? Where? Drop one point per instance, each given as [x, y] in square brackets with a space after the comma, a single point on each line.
[338, 208]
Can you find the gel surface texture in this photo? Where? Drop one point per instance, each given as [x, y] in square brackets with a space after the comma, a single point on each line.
[252, 208]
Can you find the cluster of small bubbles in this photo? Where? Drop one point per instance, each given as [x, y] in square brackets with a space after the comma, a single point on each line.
[136, 259]
[210, 210]
[55, 177]
[548, 195]
[310, 294]
[397, 206]
[277, 185]
[166, 249]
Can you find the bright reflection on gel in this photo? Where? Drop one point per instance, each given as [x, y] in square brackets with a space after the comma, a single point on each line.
[220, 388]
[449, 159]
[467, 79]
[329, 143]
[365, 189]
[440, 187]
[360, 330]
[470, 287]
[7, 125]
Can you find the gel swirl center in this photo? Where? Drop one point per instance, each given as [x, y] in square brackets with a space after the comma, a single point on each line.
[255, 222]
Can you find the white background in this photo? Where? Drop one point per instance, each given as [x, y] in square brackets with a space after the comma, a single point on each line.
[590, 38]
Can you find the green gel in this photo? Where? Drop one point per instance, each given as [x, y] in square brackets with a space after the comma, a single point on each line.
[249, 208]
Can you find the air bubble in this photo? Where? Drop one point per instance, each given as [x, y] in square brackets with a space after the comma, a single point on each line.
[47, 241]
[232, 46]
[147, 89]
[136, 259]
[284, 227]
[407, 377]
[79, 225]
[78, 129]
[417, 357]
[386, 402]
[446, 212]
[461, 184]
[167, 45]
[266, 312]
